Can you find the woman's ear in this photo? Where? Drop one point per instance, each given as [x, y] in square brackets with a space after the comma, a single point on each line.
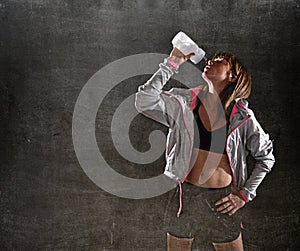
[232, 78]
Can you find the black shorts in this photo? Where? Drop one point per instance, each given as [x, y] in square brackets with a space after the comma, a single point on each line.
[199, 218]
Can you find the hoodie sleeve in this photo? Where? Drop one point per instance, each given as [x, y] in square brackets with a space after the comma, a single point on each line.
[150, 100]
[261, 148]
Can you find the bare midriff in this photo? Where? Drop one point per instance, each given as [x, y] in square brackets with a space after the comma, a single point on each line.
[210, 169]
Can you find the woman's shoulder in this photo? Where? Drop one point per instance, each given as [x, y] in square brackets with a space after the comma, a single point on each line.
[243, 107]
[248, 113]
[188, 94]
[187, 91]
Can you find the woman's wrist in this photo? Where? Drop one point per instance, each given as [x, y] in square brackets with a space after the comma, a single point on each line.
[243, 197]
[176, 60]
[172, 63]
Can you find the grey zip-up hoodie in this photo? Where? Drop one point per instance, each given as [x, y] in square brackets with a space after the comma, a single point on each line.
[173, 109]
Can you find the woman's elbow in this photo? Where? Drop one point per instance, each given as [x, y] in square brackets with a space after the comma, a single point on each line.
[138, 102]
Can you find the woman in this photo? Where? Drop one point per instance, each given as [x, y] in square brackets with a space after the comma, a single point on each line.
[211, 133]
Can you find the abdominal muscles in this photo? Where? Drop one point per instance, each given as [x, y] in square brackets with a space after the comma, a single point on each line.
[209, 169]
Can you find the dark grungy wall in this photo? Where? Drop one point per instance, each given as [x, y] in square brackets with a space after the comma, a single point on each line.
[50, 49]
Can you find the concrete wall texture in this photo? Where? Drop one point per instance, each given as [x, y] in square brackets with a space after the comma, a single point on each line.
[50, 49]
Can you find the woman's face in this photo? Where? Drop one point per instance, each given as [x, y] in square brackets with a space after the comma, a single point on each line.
[217, 70]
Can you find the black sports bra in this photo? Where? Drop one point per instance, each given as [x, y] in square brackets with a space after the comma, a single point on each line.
[204, 140]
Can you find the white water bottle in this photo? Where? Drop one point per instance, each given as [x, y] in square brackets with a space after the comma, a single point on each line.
[186, 45]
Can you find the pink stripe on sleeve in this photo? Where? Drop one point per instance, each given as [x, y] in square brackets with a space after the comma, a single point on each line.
[194, 92]
[172, 63]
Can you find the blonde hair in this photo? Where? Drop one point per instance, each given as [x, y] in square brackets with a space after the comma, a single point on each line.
[241, 88]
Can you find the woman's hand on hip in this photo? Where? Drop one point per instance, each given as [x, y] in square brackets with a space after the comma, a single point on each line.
[178, 57]
[230, 204]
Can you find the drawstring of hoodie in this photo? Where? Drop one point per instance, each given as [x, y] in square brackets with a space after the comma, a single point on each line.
[180, 199]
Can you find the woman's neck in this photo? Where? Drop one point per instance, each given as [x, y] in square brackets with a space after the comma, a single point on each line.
[212, 98]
